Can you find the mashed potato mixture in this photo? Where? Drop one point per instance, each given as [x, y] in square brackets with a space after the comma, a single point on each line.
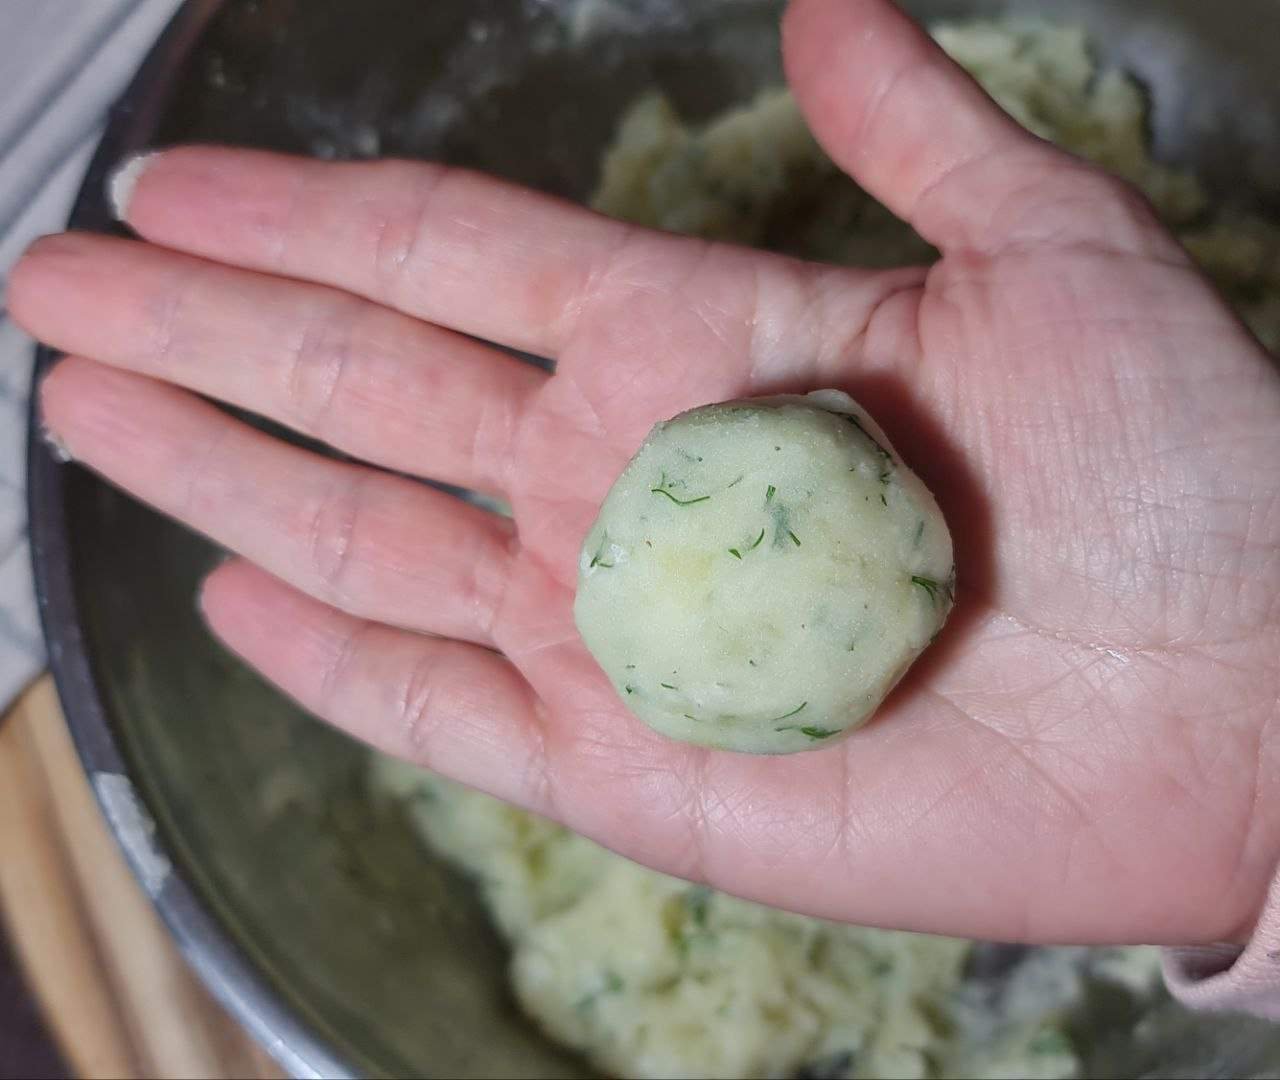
[648, 976]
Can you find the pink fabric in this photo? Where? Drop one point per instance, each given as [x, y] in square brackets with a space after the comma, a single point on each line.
[1227, 977]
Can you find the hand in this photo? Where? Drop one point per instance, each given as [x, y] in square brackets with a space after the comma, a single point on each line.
[1087, 754]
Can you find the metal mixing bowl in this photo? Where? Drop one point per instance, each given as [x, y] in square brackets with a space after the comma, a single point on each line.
[310, 911]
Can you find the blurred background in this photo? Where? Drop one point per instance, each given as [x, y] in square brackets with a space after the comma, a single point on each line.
[83, 958]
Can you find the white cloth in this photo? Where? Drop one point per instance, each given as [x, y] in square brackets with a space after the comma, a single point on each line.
[62, 64]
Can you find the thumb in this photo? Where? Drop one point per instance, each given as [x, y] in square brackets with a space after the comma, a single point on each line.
[905, 121]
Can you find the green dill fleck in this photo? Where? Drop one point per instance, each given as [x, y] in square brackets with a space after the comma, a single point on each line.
[598, 558]
[868, 436]
[753, 663]
[756, 542]
[937, 1018]
[611, 984]
[697, 900]
[883, 500]
[931, 587]
[787, 716]
[1049, 1042]
[818, 732]
[424, 794]
[769, 493]
[688, 925]
[629, 689]
[780, 515]
[735, 553]
[794, 538]
[688, 717]
[666, 686]
[631, 667]
[919, 532]
[679, 502]
[840, 1063]
[735, 483]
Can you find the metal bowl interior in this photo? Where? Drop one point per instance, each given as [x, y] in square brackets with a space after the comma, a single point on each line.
[311, 910]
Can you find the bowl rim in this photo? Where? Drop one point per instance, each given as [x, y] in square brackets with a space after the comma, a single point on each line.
[208, 946]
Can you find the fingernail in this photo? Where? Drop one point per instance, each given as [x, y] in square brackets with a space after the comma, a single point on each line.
[51, 244]
[57, 448]
[220, 559]
[123, 181]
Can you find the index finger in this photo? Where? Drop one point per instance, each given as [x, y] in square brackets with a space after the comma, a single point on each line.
[455, 248]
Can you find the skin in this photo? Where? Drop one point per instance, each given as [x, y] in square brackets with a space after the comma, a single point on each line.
[1089, 751]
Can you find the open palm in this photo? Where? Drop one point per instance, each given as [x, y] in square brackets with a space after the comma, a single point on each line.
[1086, 752]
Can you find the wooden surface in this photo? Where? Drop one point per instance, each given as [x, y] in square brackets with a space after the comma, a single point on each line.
[117, 994]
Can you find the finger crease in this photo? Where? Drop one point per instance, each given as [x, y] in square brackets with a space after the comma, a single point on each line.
[501, 414]
[165, 334]
[395, 261]
[699, 816]
[542, 789]
[414, 708]
[197, 468]
[490, 581]
[279, 260]
[594, 280]
[316, 365]
[335, 668]
[331, 532]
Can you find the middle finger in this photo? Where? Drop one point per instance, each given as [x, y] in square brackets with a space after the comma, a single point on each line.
[374, 383]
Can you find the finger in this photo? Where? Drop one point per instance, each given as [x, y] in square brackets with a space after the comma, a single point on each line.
[442, 244]
[455, 708]
[377, 545]
[919, 134]
[374, 383]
